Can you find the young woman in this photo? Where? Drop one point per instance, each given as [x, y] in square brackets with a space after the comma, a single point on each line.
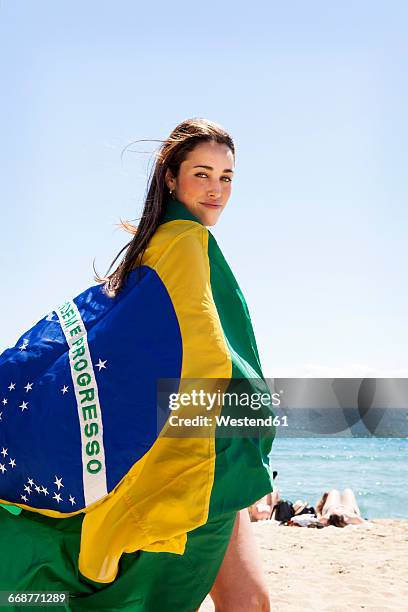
[338, 509]
[158, 519]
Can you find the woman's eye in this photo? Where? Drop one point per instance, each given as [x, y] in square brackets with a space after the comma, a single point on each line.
[206, 175]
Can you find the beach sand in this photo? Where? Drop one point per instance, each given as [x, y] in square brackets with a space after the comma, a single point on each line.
[336, 570]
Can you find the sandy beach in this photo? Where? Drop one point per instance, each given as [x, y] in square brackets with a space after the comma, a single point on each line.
[333, 569]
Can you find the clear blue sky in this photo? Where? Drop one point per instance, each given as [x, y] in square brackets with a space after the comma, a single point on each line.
[314, 94]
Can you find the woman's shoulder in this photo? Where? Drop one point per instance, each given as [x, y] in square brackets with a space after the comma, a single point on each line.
[181, 240]
[173, 231]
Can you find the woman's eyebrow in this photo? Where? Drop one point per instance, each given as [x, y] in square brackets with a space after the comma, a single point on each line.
[211, 168]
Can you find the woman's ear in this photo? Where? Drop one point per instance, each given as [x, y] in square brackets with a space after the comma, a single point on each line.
[169, 179]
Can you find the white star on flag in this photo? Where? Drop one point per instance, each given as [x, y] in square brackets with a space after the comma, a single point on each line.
[4, 400]
[23, 347]
[12, 462]
[30, 481]
[3, 468]
[12, 386]
[58, 482]
[37, 488]
[57, 496]
[28, 387]
[72, 500]
[101, 364]
[23, 406]
[44, 490]
[24, 498]
[64, 389]
[27, 488]
[4, 451]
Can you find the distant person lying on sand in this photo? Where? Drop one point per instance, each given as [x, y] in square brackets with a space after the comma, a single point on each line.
[262, 509]
[338, 510]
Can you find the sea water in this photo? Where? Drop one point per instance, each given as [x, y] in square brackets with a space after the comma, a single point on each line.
[375, 468]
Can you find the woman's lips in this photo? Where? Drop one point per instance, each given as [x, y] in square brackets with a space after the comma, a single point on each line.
[209, 205]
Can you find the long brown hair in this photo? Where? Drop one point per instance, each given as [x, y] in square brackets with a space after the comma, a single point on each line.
[174, 150]
[337, 520]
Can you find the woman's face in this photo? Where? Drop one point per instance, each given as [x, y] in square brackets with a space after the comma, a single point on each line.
[203, 183]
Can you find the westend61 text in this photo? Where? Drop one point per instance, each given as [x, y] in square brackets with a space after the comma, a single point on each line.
[227, 421]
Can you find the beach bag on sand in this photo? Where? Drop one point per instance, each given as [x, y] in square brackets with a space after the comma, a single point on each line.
[283, 511]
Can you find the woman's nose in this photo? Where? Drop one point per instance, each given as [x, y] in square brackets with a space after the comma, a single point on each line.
[214, 189]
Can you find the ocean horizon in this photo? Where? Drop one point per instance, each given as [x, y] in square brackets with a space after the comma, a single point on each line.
[375, 468]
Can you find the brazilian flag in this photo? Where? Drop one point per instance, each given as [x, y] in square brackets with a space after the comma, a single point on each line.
[100, 495]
